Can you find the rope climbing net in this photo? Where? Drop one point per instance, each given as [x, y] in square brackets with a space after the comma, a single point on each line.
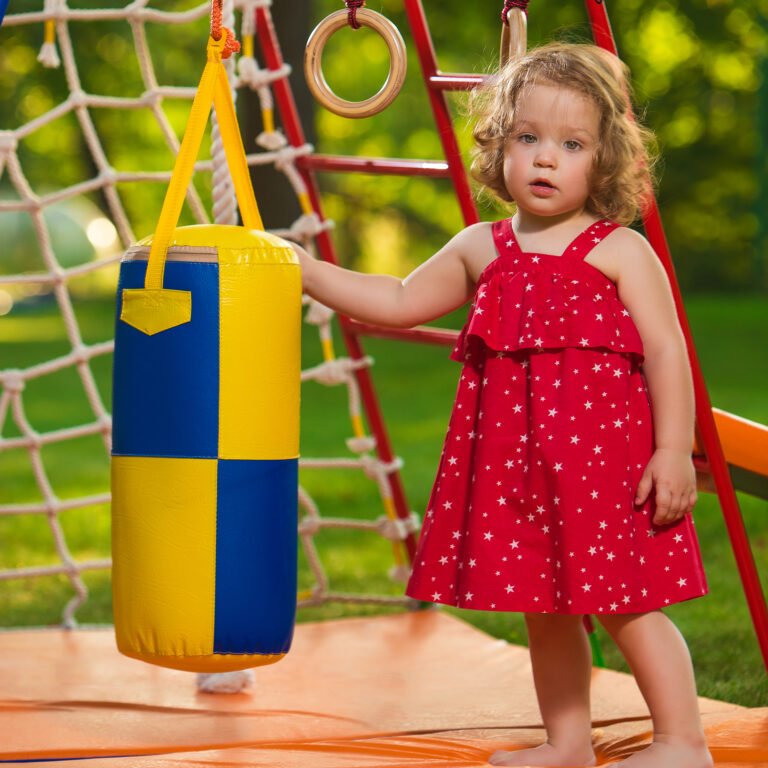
[20, 195]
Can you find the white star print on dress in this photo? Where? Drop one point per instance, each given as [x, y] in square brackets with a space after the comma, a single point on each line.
[536, 513]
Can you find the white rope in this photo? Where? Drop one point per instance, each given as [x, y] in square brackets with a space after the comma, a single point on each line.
[57, 278]
[135, 12]
[154, 94]
[49, 56]
[257, 79]
[334, 372]
[63, 506]
[224, 200]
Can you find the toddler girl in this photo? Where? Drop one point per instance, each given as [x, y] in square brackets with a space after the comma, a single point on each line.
[566, 483]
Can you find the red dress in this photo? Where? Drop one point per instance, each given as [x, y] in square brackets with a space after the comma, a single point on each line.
[533, 506]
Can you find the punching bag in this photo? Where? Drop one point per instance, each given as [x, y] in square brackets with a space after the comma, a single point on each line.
[206, 427]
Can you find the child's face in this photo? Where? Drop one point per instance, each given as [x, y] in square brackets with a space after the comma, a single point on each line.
[554, 138]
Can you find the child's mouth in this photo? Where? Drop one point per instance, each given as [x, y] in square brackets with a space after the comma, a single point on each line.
[542, 188]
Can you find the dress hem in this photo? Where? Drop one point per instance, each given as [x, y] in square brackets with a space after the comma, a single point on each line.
[569, 611]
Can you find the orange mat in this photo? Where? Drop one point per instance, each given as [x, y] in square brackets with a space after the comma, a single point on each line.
[420, 689]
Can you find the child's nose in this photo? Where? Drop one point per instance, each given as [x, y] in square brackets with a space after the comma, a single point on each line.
[546, 154]
[545, 158]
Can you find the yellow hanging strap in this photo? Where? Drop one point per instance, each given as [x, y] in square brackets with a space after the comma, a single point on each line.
[154, 309]
[213, 89]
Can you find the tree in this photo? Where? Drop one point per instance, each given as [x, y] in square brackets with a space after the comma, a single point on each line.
[698, 70]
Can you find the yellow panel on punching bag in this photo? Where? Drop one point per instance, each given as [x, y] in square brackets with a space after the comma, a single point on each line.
[258, 412]
[158, 562]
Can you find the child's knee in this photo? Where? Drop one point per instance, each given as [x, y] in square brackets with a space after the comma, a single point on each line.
[551, 622]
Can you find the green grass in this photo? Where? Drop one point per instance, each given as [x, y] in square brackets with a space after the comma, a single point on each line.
[415, 385]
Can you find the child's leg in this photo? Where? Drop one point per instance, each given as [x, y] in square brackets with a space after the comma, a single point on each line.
[659, 659]
[562, 663]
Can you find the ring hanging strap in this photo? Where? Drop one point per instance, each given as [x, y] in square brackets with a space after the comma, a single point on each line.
[352, 6]
[213, 89]
[514, 30]
[509, 5]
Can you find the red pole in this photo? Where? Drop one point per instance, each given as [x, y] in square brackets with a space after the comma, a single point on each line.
[710, 441]
[290, 116]
[428, 62]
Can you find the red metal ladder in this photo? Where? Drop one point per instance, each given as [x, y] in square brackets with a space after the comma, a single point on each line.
[438, 83]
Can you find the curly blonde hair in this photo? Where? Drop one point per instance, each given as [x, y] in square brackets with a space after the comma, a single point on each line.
[623, 172]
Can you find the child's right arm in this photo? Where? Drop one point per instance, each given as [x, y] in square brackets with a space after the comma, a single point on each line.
[435, 288]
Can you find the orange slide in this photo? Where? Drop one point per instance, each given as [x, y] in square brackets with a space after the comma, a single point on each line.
[745, 445]
[412, 689]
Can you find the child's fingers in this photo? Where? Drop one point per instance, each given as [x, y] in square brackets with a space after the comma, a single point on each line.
[673, 509]
[686, 501]
[643, 488]
[664, 500]
[677, 507]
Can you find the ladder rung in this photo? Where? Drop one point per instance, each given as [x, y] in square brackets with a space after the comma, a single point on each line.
[377, 165]
[443, 82]
[421, 334]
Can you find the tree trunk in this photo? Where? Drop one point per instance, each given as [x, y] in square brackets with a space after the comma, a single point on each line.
[277, 200]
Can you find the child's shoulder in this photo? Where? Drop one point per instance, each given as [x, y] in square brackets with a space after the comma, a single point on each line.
[480, 233]
[475, 244]
[626, 236]
[624, 250]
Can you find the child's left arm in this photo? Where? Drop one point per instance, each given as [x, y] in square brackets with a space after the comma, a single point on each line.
[645, 291]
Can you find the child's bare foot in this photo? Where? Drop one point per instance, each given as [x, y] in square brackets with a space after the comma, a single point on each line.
[664, 754]
[544, 755]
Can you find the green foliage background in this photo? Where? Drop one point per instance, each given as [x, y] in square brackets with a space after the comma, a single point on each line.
[699, 69]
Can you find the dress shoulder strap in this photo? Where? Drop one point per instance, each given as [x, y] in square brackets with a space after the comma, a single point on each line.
[504, 238]
[589, 238]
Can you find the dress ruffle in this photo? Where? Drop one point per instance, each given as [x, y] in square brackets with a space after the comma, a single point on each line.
[549, 303]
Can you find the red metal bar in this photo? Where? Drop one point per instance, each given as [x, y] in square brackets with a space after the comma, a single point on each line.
[378, 165]
[601, 26]
[274, 60]
[421, 334]
[426, 52]
[443, 82]
[710, 442]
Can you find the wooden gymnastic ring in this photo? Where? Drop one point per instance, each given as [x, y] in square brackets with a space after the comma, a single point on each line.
[313, 70]
[514, 36]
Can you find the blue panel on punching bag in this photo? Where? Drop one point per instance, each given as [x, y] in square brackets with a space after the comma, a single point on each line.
[256, 519]
[179, 367]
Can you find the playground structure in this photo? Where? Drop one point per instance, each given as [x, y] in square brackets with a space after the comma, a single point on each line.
[330, 371]
[742, 451]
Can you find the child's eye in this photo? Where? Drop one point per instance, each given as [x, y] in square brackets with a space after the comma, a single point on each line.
[575, 144]
[524, 136]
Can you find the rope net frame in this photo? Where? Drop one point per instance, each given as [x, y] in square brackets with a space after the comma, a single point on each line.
[57, 18]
